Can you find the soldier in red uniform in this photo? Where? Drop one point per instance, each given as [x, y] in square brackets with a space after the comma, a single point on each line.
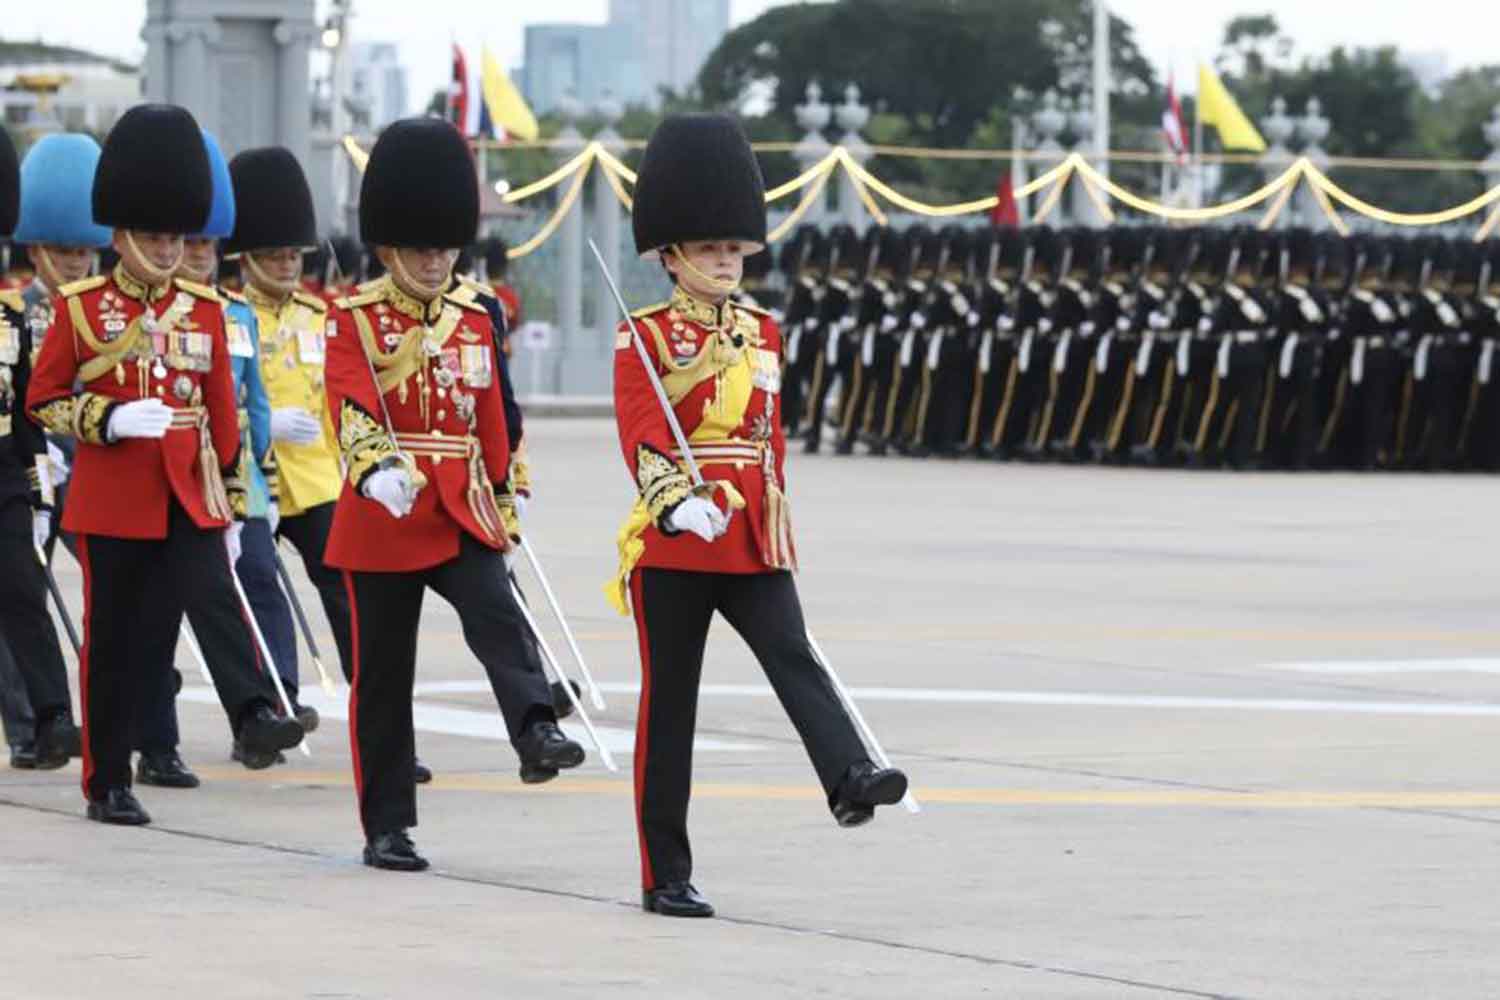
[136, 368]
[687, 553]
[427, 499]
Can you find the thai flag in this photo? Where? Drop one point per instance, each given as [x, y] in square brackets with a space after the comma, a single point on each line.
[1174, 131]
[467, 108]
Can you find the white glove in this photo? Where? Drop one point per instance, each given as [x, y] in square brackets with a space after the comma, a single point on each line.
[1205, 325]
[273, 516]
[294, 425]
[889, 322]
[522, 501]
[41, 527]
[233, 542]
[143, 418]
[699, 516]
[58, 463]
[392, 489]
[1158, 320]
[918, 321]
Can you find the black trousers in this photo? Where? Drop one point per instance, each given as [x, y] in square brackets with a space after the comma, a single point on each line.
[948, 383]
[992, 373]
[1292, 419]
[308, 533]
[903, 402]
[387, 610]
[134, 591]
[33, 677]
[803, 349]
[826, 372]
[673, 609]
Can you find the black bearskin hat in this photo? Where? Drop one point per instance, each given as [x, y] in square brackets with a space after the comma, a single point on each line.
[420, 188]
[10, 185]
[496, 258]
[154, 173]
[956, 242]
[698, 180]
[273, 204]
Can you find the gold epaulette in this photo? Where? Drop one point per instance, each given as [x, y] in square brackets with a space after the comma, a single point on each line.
[365, 286]
[651, 310]
[475, 285]
[310, 300]
[469, 304]
[201, 291]
[234, 296]
[368, 296]
[82, 285]
[11, 298]
[758, 310]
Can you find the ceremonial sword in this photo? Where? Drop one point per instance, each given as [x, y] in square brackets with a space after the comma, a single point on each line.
[307, 633]
[57, 599]
[871, 743]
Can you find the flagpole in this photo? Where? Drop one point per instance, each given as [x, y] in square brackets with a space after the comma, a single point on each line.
[1101, 86]
[1198, 138]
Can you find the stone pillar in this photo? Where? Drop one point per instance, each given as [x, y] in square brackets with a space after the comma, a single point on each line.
[812, 147]
[570, 259]
[293, 37]
[1020, 165]
[852, 116]
[1490, 170]
[1278, 127]
[1312, 129]
[1081, 124]
[1048, 122]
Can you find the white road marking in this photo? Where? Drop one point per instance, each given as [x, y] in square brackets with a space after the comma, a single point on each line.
[1065, 699]
[1340, 667]
[484, 725]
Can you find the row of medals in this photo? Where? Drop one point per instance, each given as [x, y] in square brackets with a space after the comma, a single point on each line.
[463, 402]
[112, 316]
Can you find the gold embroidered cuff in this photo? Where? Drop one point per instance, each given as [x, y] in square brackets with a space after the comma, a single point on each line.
[365, 444]
[39, 483]
[663, 485]
[506, 504]
[57, 416]
[239, 499]
[520, 475]
[91, 418]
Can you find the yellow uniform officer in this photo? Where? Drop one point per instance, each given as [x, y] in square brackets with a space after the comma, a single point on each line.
[274, 226]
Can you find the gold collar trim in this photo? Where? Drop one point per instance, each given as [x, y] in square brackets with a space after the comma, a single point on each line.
[136, 289]
[706, 314]
[409, 305]
[261, 300]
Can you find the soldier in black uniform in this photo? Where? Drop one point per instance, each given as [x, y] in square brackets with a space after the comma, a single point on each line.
[1116, 341]
[998, 258]
[1068, 346]
[28, 642]
[1427, 430]
[923, 249]
[1150, 368]
[835, 341]
[1291, 422]
[803, 262]
[1029, 374]
[1361, 370]
[1474, 282]
[873, 346]
[952, 344]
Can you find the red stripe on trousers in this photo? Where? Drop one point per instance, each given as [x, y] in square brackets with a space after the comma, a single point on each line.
[83, 658]
[359, 774]
[642, 725]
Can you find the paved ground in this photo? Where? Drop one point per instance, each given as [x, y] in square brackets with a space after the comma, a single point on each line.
[1176, 734]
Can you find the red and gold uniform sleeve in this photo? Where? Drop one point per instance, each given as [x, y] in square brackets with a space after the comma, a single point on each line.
[52, 398]
[645, 437]
[354, 404]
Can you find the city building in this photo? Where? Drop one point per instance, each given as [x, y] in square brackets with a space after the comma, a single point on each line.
[645, 46]
[377, 83]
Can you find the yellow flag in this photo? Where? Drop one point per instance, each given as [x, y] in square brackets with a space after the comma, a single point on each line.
[1216, 107]
[506, 105]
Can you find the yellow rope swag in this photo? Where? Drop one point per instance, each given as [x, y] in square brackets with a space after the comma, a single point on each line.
[1099, 188]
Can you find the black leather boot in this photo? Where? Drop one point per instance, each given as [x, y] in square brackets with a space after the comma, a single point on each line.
[544, 751]
[676, 899]
[864, 787]
[57, 742]
[395, 852]
[164, 770]
[119, 807]
[263, 731]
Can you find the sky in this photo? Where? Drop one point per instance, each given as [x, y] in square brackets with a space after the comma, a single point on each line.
[1172, 34]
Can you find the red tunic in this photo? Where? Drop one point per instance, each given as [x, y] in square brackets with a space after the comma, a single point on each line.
[442, 380]
[722, 367]
[114, 340]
